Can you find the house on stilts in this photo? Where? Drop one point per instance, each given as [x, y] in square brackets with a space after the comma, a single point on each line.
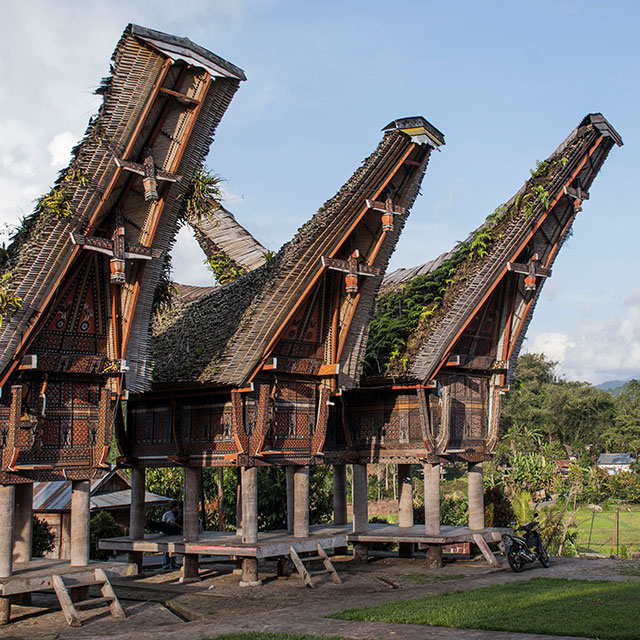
[79, 280]
[307, 360]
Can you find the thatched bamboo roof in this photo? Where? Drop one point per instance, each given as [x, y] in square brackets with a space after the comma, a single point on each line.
[428, 306]
[219, 232]
[87, 191]
[222, 337]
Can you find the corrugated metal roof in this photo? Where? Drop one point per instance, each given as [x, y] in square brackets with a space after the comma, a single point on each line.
[56, 496]
[616, 458]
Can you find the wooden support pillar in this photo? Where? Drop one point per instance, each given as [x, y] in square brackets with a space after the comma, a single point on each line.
[405, 506]
[136, 514]
[23, 522]
[290, 497]
[340, 500]
[80, 522]
[191, 522]
[301, 502]
[476, 497]
[250, 524]
[360, 510]
[432, 498]
[7, 518]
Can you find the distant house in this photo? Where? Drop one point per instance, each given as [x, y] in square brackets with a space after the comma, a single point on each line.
[614, 463]
[562, 467]
[111, 492]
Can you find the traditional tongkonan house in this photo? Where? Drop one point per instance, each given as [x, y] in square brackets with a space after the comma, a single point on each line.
[443, 344]
[246, 375]
[79, 278]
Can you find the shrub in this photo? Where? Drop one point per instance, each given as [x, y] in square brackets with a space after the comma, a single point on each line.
[103, 525]
[43, 539]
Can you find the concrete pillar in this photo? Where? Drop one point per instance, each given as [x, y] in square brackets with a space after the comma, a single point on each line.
[340, 500]
[190, 522]
[360, 510]
[136, 514]
[476, 496]
[290, 497]
[405, 506]
[23, 522]
[7, 516]
[432, 498]
[239, 502]
[80, 522]
[360, 500]
[249, 524]
[301, 502]
[340, 494]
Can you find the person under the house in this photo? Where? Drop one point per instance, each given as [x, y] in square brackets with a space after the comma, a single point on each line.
[170, 525]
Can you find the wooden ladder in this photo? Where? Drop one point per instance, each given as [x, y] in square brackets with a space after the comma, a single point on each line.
[305, 574]
[69, 608]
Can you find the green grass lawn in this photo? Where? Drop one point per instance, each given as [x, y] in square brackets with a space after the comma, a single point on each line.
[603, 529]
[594, 609]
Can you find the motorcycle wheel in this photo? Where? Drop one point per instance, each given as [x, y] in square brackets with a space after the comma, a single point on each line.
[515, 560]
[544, 557]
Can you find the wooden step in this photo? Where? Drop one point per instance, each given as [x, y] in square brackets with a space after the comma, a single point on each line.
[69, 608]
[305, 574]
[90, 601]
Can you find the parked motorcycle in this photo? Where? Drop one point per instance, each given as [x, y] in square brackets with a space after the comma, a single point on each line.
[521, 550]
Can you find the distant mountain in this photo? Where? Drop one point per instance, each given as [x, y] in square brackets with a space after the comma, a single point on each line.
[614, 387]
[612, 384]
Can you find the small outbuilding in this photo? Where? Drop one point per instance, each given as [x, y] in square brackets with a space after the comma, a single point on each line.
[111, 492]
[614, 463]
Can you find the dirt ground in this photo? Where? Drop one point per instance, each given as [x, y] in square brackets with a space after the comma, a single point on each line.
[157, 606]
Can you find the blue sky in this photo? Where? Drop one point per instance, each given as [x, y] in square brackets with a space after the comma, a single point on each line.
[505, 82]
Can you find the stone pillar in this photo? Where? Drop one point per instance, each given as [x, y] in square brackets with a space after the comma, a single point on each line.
[432, 498]
[23, 522]
[136, 514]
[290, 497]
[190, 522]
[80, 522]
[405, 506]
[301, 502]
[7, 518]
[340, 500]
[249, 524]
[360, 510]
[476, 497]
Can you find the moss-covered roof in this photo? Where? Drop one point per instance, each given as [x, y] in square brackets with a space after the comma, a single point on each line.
[421, 310]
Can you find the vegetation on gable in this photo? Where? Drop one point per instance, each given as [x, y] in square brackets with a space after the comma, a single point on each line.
[409, 313]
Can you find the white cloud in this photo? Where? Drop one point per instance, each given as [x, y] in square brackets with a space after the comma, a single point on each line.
[552, 343]
[596, 350]
[60, 149]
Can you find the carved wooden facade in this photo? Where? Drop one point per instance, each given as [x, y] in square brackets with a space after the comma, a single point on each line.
[86, 276]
